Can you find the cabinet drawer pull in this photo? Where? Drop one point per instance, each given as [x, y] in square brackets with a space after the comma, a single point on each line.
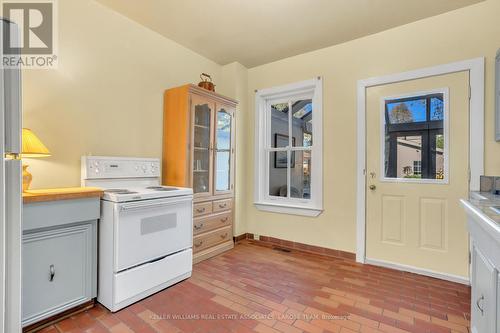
[52, 271]
[224, 220]
[198, 244]
[200, 210]
[198, 226]
[222, 205]
[223, 236]
[479, 305]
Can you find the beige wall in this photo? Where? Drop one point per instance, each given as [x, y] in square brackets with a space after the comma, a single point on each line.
[106, 97]
[466, 33]
[234, 83]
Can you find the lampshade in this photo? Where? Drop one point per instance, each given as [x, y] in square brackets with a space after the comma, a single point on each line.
[32, 146]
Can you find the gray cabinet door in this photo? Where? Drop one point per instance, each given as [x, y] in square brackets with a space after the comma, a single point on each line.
[57, 271]
[484, 294]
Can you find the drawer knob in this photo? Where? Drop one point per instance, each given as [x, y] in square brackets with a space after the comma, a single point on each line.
[223, 236]
[223, 220]
[200, 210]
[222, 205]
[198, 226]
[478, 304]
[52, 271]
[198, 244]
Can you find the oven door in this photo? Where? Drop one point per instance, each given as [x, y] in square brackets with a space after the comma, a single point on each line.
[151, 229]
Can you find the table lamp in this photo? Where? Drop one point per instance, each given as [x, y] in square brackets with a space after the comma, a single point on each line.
[32, 147]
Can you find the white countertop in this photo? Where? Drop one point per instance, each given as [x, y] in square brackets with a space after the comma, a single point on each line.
[478, 206]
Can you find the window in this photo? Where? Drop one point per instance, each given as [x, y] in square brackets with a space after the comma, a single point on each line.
[288, 164]
[417, 168]
[415, 135]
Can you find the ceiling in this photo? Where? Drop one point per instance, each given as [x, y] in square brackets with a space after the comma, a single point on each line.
[255, 32]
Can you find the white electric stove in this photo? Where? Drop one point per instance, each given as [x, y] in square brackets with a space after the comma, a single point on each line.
[145, 230]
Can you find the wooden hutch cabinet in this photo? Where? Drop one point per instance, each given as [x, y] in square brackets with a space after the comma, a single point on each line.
[198, 152]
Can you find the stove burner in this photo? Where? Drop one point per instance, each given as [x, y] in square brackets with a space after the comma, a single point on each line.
[161, 188]
[119, 191]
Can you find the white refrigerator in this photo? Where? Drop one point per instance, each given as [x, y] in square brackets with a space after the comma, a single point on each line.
[10, 190]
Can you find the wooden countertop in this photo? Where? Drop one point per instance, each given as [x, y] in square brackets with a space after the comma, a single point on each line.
[65, 193]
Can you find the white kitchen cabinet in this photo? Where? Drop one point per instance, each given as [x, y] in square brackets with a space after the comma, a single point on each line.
[483, 224]
[484, 294]
[498, 303]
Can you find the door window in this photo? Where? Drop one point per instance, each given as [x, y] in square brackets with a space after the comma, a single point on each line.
[415, 147]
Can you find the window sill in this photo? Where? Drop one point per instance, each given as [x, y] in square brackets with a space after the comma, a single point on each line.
[288, 209]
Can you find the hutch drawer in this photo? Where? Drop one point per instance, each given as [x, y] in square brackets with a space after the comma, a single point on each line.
[202, 208]
[211, 222]
[212, 238]
[221, 205]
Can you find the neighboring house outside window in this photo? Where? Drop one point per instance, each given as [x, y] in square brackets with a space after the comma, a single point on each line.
[288, 139]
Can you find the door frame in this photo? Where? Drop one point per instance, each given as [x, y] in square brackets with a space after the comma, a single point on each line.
[476, 141]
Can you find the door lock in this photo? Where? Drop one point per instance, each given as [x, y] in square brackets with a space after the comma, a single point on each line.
[372, 187]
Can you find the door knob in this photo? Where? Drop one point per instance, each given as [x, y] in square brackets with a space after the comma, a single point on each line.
[372, 187]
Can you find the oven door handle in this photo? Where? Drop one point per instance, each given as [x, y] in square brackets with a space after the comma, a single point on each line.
[136, 206]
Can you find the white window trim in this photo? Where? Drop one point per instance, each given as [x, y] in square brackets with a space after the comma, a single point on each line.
[304, 207]
[446, 130]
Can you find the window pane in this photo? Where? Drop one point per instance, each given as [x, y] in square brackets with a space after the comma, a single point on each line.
[437, 108]
[202, 115]
[201, 126]
[222, 162]
[278, 173]
[406, 111]
[223, 133]
[223, 150]
[201, 155]
[300, 169]
[279, 124]
[439, 156]
[411, 160]
[302, 112]
[201, 170]
[409, 157]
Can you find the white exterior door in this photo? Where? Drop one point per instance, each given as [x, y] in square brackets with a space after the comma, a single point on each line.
[417, 170]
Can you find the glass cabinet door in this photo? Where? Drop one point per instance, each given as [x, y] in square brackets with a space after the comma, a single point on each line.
[202, 138]
[223, 152]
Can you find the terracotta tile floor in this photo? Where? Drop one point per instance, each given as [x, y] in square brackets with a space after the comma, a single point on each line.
[254, 288]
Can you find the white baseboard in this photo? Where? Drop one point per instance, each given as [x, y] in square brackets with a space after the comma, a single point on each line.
[420, 271]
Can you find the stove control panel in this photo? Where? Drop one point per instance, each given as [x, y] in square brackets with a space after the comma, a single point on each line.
[119, 167]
